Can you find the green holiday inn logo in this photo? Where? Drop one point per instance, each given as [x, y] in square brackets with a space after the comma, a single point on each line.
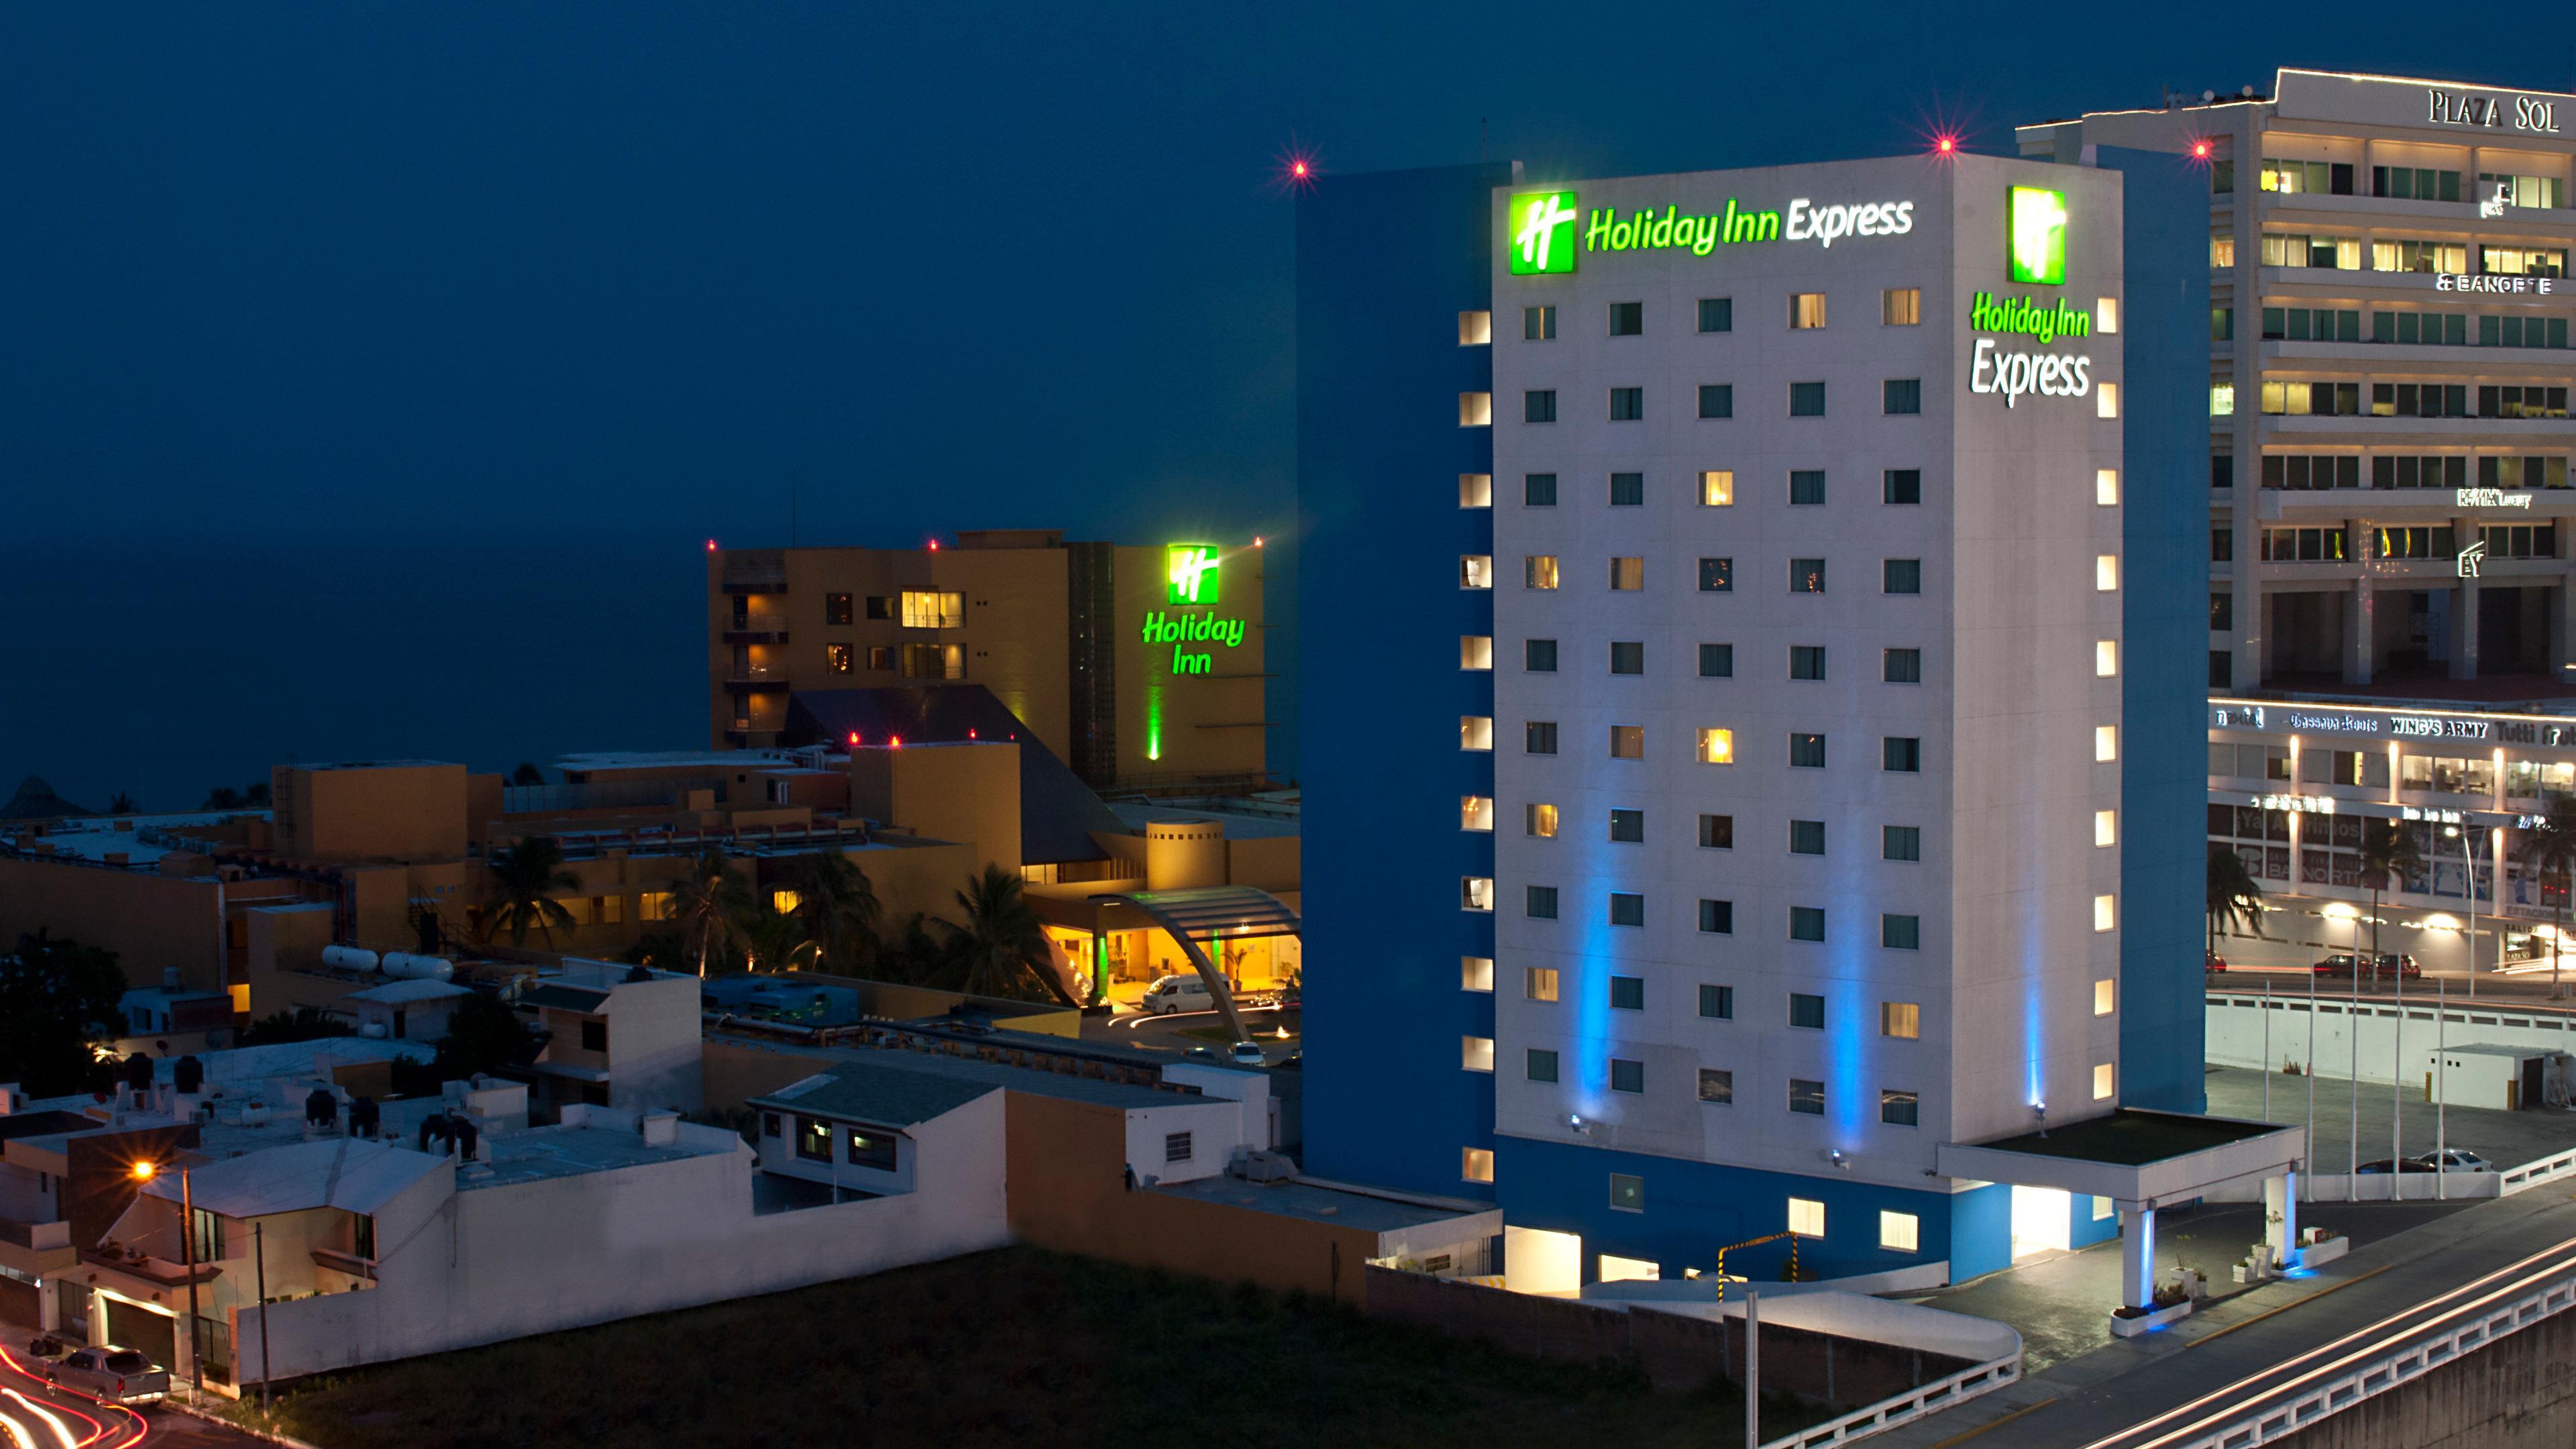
[1190, 571]
[1542, 230]
[2035, 228]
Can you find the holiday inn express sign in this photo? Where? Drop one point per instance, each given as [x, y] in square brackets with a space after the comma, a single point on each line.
[1548, 230]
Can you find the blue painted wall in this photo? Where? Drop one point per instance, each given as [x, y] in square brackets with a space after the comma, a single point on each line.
[1385, 263]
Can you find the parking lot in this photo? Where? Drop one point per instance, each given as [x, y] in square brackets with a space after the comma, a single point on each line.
[2507, 1139]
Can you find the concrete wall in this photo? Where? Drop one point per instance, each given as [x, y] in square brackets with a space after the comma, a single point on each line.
[967, 791]
[150, 921]
[2517, 1393]
[408, 810]
[2390, 1045]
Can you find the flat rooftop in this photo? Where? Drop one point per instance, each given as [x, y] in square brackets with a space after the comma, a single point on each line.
[98, 837]
[2132, 1138]
[1239, 824]
[1322, 1202]
[536, 1153]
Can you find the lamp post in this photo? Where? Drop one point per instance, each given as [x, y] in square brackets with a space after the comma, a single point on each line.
[2352, 1030]
[145, 1172]
[2468, 859]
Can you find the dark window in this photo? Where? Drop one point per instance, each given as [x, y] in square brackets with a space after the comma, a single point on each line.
[1806, 661]
[1628, 826]
[1901, 753]
[881, 606]
[1897, 1109]
[1717, 832]
[1538, 737]
[1807, 1011]
[1717, 576]
[1901, 485]
[1542, 902]
[1627, 319]
[768, 1124]
[1542, 1065]
[1717, 314]
[1538, 656]
[1627, 1190]
[1627, 909]
[2222, 470]
[1627, 1076]
[1900, 842]
[1901, 575]
[1807, 486]
[1538, 490]
[1806, 837]
[1627, 657]
[1901, 666]
[1806, 399]
[1176, 1147]
[1806, 576]
[1717, 661]
[1627, 490]
[1627, 404]
[2222, 611]
[837, 608]
[2222, 545]
[1538, 406]
[1901, 395]
[2222, 669]
[1717, 918]
[1717, 399]
[881, 656]
[871, 1149]
[1806, 751]
[1538, 324]
[1716, 1086]
[1901, 933]
[1717, 1002]
[1806, 1097]
[813, 1139]
[594, 1036]
[1627, 993]
[1806, 923]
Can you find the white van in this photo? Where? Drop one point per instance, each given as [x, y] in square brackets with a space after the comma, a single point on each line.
[1177, 993]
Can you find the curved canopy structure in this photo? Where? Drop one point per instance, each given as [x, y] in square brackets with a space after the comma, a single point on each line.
[1192, 916]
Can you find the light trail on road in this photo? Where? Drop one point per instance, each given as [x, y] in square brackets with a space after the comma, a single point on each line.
[130, 1430]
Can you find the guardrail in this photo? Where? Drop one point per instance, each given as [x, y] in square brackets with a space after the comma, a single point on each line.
[2533, 1174]
[1905, 1408]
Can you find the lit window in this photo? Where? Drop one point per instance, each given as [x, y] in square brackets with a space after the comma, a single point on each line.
[2222, 399]
[1475, 571]
[2106, 400]
[2101, 1209]
[2106, 658]
[1475, 329]
[1475, 973]
[1806, 1217]
[2106, 994]
[1901, 307]
[2103, 1077]
[785, 902]
[1538, 983]
[1542, 821]
[1476, 1053]
[2106, 912]
[839, 658]
[1899, 1232]
[2106, 315]
[1806, 310]
[2106, 827]
[1475, 490]
[1476, 1164]
[1615, 1269]
[1717, 488]
[1627, 574]
[1476, 812]
[2106, 743]
[1901, 1019]
[1475, 651]
[1476, 893]
[1475, 732]
[1717, 747]
[1538, 571]
[930, 609]
[2106, 572]
[1476, 410]
[2106, 487]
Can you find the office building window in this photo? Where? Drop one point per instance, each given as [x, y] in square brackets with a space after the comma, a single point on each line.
[1542, 1065]
[1476, 973]
[1538, 324]
[1475, 490]
[1627, 490]
[1627, 993]
[1900, 842]
[1717, 832]
[1627, 1190]
[1476, 893]
[1901, 575]
[1901, 486]
[2105, 996]
[1900, 396]
[1806, 310]
[1627, 574]
[1717, 1002]
[1807, 1011]
[1897, 1109]
[1627, 827]
[1901, 307]
[1538, 571]
[1717, 918]
[1627, 1076]
[1716, 1088]
[1806, 837]
[1806, 750]
[1717, 489]
[1806, 661]
[1538, 656]
[1627, 909]
[2106, 658]
[1476, 1164]
[1541, 820]
[1806, 487]
[1806, 923]
[1806, 399]
[1717, 575]
[934, 661]
[1899, 1232]
[1717, 747]
[1476, 1053]
[1538, 983]
[1901, 933]
[1808, 1099]
[1902, 1019]
[1902, 754]
[1901, 666]
[1538, 405]
[837, 608]
[1806, 576]
[1627, 657]
[1540, 904]
[1627, 742]
[1538, 737]
[1717, 314]
[1717, 399]
[840, 658]
[881, 656]
[1628, 404]
[1627, 319]
[1538, 490]
[1717, 661]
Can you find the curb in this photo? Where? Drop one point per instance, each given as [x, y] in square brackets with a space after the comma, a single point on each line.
[271, 1435]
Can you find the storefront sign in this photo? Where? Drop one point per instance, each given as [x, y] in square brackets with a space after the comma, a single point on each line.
[2473, 282]
[2491, 498]
[2297, 804]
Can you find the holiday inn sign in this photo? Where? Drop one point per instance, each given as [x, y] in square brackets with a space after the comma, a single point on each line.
[1547, 230]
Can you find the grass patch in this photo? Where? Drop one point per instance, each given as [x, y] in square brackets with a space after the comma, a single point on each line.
[1016, 1346]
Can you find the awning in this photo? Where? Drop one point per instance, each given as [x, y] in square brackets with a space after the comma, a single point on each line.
[2136, 1158]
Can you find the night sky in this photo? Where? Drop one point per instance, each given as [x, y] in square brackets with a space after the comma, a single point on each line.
[371, 374]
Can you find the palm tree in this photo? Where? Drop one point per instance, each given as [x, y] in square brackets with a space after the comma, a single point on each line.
[710, 907]
[123, 804]
[2388, 849]
[1002, 943]
[524, 880]
[2235, 897]
[838, 908]
[775, 940]
[2550, 849]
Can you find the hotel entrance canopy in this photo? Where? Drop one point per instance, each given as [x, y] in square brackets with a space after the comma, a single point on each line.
[1205, 914]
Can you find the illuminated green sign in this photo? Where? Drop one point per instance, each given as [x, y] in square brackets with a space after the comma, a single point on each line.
[2035, 230]
[1190, 573]
[1541, 224]
[2028, 317]
[1606, 229]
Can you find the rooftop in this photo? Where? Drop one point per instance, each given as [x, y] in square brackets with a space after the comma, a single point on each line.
[1367, 1212]
[349, 1173]
[2132, 1138]
[878, 1092]
[141, 839]
[403, 992]
[570, 1149]
[1239, 824]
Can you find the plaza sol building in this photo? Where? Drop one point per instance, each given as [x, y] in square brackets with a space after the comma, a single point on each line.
[1748, 822]
[2389, 604]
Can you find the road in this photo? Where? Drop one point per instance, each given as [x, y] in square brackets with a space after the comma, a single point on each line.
[51, 1418]
[1171, 1033]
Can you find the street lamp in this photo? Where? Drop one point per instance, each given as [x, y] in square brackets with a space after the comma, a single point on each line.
[2468, 858]
[2352, 1029]
[144, 1172]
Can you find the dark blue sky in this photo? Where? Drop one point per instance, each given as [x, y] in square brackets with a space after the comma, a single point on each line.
[370, 372]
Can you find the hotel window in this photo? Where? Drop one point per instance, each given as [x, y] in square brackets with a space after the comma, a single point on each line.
[1475, 571]
[1538, 490]
[2222, 324]
[2308, 545]
[1717, 661]
[1717, 832]
[1807, 1098]
[1476, 1053]
[1716, 1087]
[1541, 820]
[1627, 319]
[1476, 1164]
[653, 906]
[2106, 827]
[1541, 1065]
[1717, 576]
[881, 656]
[1901, 1019]
[2106, 572]
[1717, 747]
[2439, 329]
[1627, 827]
[1476, 973]
[1717, 314]
[1475, 732]
[2106, 743]
[1539, 903]
[2106, 486]
[1806, 661]
[1806, 399]
[1538, 737]
[2105, 996]
[2106, 912]
[841, 658]
[1627, 993]
[1626, 1076]
[1475, 329]
[1806, 576]
[1475, 490]
[813, 1139]
[1538, 405]
[1717, 918]
[2106, 400]
[1627, 574]
[1627, 490]
[2222, 399]
[1475, 651]
[2438, 472]
[2530, 191]
[1627, 742]
[1717, 1003]
[1898, 1108]
[1900, 754]
[2103, 1081]
[2222, 252]
[928, 609]
[2106, 658]
[1806, 837]
[1627, 1190]
[1806, 1214]
[1476, 812]
[2106, 314]
[837, 608]
[2222, 545]
[1627, 404]
[1806, 751]
[1806, 310]
[2311, 324]
[2522, 402]
[871, 1150]
[1538, 324]
[1538, 983]
[1901, 486]
[1899, 1232]
[1900, 666]
[1476, 893]
[1900, 842]
[1806, 487]
[2410, 183]
[1627, 909]
[1900, 576]
[1901, 396]
[1901, 307]
[934, 661]
[1538, 571]
[1717, 489]
[1900, 933]
[1538, 656]
[1476, 410]
[1806, 923]
[2332, 253]
[1717, 399]
[881, 606]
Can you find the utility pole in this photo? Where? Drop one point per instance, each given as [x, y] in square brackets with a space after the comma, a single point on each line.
[2442, 1092]
[2397, 1090]
[259, 1271]
[2267, 1048]
[188, 1240]
[1752, 1367]
[2352, 1029]
[2310, 1068]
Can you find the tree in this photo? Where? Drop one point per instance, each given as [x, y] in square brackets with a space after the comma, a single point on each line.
[304, 1023]
[1001, 944]
[485, 1036]
[2550, 849]
[838, 908]
[918, 957]
[2388, 849]
[527, 774]
[123, 804]
[523, 881]
[222, 797]
[256, 797]
[2235, 897]
[710, 907]
[663, 949]
[775, 940]
[58, 1001]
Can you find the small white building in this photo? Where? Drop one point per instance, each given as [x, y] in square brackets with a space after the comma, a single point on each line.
[616, 1036]
[410, 1009]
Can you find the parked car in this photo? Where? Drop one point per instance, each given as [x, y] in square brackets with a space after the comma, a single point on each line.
[2212, 962]
[2456, 1159]
[1247, 1054]
[2387, 1165]
[118, 1375]
[1293, 1062]
[1169, 994]
[2392, 965]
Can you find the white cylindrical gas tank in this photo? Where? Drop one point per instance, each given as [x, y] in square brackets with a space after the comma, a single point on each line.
[349, 958]
[430, 968]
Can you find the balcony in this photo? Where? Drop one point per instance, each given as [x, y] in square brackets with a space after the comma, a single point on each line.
[36, 1249]
[151, 1273]
[756, 629]
[755, 678]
